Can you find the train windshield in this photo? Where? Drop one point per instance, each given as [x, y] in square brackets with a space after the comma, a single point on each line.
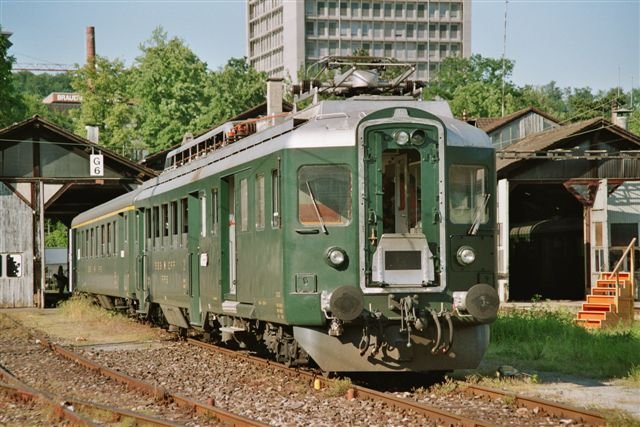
[468, 195]
[324, 195]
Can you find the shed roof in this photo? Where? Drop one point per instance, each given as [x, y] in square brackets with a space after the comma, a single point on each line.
[557, 138]
[489, 124]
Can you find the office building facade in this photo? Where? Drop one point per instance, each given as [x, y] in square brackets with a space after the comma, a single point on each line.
[285, 35]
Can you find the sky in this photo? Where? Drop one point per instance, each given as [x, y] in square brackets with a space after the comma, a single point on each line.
[576, 43]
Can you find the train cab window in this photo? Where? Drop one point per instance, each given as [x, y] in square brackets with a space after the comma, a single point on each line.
[275, 199]
[174, 218]
[468, 195]
[324, 195]
[259, 202]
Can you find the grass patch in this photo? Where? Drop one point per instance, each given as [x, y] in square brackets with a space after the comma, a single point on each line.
[547, 340]
[338, 387]
[82, 308]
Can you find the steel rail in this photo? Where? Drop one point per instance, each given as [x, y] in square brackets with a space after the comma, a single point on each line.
[553, 408]
[223, 416]
[428, 411]
[24, 391]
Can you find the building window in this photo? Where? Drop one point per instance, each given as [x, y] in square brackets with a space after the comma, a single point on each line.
[13, 265]
[399, 7]
[343, 8]
[387, 10]
[365, 10]
[310, 28]
[623, 233]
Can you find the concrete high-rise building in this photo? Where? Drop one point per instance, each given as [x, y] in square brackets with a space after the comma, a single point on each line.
[284, 35]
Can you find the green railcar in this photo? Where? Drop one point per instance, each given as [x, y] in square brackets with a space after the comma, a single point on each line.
[358, 234]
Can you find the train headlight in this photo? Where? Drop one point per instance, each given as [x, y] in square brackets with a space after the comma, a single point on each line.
[466, 255]
[336, 257]
[418, 137]
[401, 137]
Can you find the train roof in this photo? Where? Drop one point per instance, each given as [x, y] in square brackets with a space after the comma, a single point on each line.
[340, 117]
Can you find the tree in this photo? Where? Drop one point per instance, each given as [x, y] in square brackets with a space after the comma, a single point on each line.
[231, 90]
[42, 84]
[11, 105]
[56, 235]
[477, 83]
[169, 85]
[548, 98]
[106, 102]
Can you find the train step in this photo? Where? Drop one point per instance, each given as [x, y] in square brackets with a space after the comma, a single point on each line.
[231, 329]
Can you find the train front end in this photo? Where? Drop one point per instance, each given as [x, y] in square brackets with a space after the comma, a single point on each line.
[415, 289]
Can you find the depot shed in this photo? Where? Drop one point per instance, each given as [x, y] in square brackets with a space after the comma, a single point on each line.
[47, 172]
[568, 206]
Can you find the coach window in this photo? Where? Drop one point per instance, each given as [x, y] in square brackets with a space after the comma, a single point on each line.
[102, 240]
[214, 211]
[126, 227]
[156, 223]
[165, 221]
[324, 195]
[244, 204]
[260, 202]
[203, 214]
[114, 243]
[468, 197]
[91, 243]
[147, 225]
[109, 237]
[275, 199]
[184, 216]
[174, 218]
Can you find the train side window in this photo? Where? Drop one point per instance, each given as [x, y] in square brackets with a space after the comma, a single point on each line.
[244, 205]
[203, 214]
[185, 215]
[126, 228]
[156, 222]
[147, 224]
[174, 218]
[214, 211]
[109, 238]
[324, 195]
[1, 264]
[115, 238]
[91, 243]
[275, 199]
[165, 220]
[102, 240]
[259, 202]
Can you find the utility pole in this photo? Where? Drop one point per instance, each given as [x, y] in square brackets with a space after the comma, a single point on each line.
[504, 52]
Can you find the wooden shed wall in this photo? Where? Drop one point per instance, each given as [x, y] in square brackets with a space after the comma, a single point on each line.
[16, 237]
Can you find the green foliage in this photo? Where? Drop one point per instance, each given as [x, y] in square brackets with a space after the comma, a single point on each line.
[551, 341]
[338, 387]
[33, 106]
[11, 105]
[474, 85]
[170, 94]
[42, 84]
[56, 235]
[106, 94]
[231, 90]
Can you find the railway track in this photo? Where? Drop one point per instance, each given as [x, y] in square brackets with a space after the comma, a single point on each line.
[118, 390]
[538, 406]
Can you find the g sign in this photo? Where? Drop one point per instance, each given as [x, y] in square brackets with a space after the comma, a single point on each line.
[96, 165]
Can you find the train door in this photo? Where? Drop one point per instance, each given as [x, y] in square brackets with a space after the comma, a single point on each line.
[195, 203]
[228, 237]
[401, 193]
[143, 231]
